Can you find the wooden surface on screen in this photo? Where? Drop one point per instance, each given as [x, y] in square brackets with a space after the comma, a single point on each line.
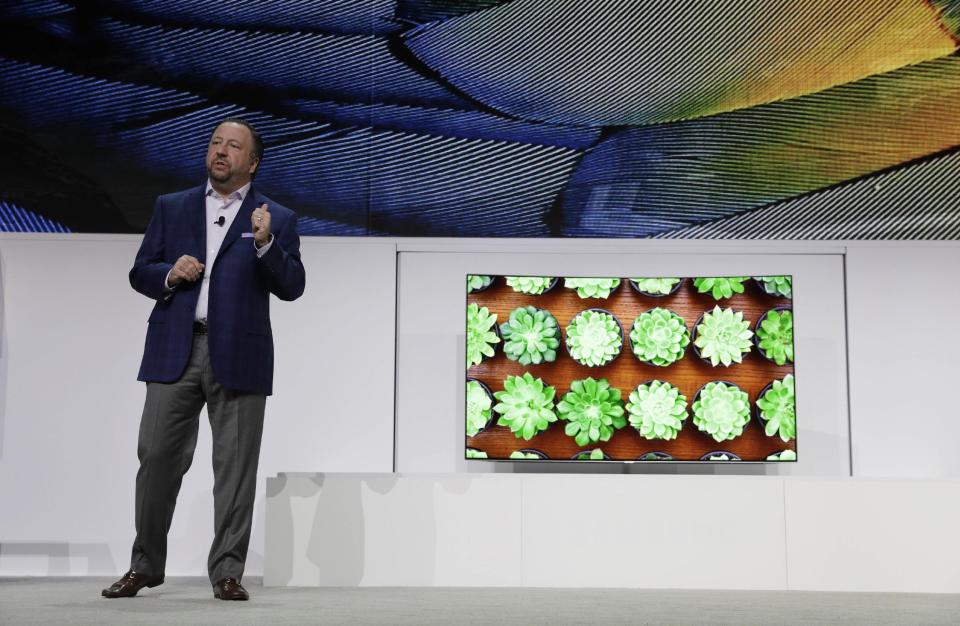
[626, 372]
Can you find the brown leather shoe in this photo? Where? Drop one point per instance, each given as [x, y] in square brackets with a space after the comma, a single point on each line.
[130, 584]
[229, 589]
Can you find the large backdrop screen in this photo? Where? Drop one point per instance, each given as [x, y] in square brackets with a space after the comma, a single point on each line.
[494, 118]
[630, 369]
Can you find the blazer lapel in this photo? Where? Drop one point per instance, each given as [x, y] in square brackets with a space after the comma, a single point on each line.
[198, 214]
[241, 223]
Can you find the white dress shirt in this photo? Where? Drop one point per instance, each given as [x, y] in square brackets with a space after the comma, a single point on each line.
[216, 207]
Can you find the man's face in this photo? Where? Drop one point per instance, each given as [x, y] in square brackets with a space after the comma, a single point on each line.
[229, 161]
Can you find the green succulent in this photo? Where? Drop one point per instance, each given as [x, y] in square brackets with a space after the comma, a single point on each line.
[520, 454]
[593, 411]
[593, 455]
[778, 408]
[476, 454]
[783, 455]
[480, 336]
[592, 287]
[479, 404]
[775, 336]
[722, 411]
[720, 286]
[530, 335]
[655, 286]
[476, 282]
[723, 336]
[594, 338]
[659, 337]
[776, 285]
[531, 285]
[657, 410]
[525, 405]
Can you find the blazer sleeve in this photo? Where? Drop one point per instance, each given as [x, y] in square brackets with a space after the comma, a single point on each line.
[149, 273]
[281, 267]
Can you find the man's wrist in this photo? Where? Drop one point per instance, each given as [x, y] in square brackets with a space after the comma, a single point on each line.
[261, 249]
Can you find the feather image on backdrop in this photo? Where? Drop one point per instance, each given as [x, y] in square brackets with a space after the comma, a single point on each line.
[778, 119]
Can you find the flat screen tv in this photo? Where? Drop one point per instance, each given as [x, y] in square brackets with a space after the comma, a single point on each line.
[637, 369]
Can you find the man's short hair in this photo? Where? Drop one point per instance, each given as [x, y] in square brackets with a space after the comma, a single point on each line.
[256, 149]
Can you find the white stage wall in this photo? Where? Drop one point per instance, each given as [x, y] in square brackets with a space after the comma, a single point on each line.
[70, 404]
[71, 335]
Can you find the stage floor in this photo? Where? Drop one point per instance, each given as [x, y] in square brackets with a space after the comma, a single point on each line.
[187, 601]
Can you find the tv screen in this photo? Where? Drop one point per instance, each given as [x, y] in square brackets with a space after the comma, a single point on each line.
[635, 369]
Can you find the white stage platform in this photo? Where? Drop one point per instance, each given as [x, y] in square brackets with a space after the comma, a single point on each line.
[636, 531]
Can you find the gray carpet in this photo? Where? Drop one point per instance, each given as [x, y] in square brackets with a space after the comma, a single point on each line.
[186, 601]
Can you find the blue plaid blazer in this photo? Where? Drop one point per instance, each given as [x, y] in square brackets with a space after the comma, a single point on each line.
[238, 312]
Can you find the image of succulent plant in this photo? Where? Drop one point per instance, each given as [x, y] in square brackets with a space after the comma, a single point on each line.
[783, 455]
[592, 287]
[776, 285]
[657, 410]
[778, 408]
[720, 286]
[659, 337]
[530, 336]
[655, 286]
[590, 455]
[594, 338]
[775, 336]
[530, 285]
[476, 282]
[479, 405]
[520, 454]
[525, 405]
[592, 409]
[480, 333]
[721, 410]
[473, 453]
[723, 336]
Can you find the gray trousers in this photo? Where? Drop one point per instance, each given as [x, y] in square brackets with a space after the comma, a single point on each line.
[168, 437]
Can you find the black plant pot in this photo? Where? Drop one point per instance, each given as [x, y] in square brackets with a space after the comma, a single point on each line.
[672, 291]
[733, 457]
[696, 397]
[689, 343]
[540, 455]
[655, 456]
[553, 283]
[756, 328]
[612, 291]
[761, 286]
[478, 290]
[493, 401]
[584, 455]
[619, 332]
[757, 416]
[503, 341]
[778, 451]
[647, 382]
[696, 348]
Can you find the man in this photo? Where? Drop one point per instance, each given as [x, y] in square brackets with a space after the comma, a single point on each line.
[210, 258]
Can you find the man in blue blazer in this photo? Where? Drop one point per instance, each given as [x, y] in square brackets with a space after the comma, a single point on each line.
[210, 258]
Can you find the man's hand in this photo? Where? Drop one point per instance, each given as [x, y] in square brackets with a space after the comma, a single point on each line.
[260, 220]
[186, 268]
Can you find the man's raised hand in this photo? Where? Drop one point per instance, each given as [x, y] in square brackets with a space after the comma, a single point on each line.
[186, 268]
[260, 220]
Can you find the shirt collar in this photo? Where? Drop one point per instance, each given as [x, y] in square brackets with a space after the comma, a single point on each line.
[239, 194]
